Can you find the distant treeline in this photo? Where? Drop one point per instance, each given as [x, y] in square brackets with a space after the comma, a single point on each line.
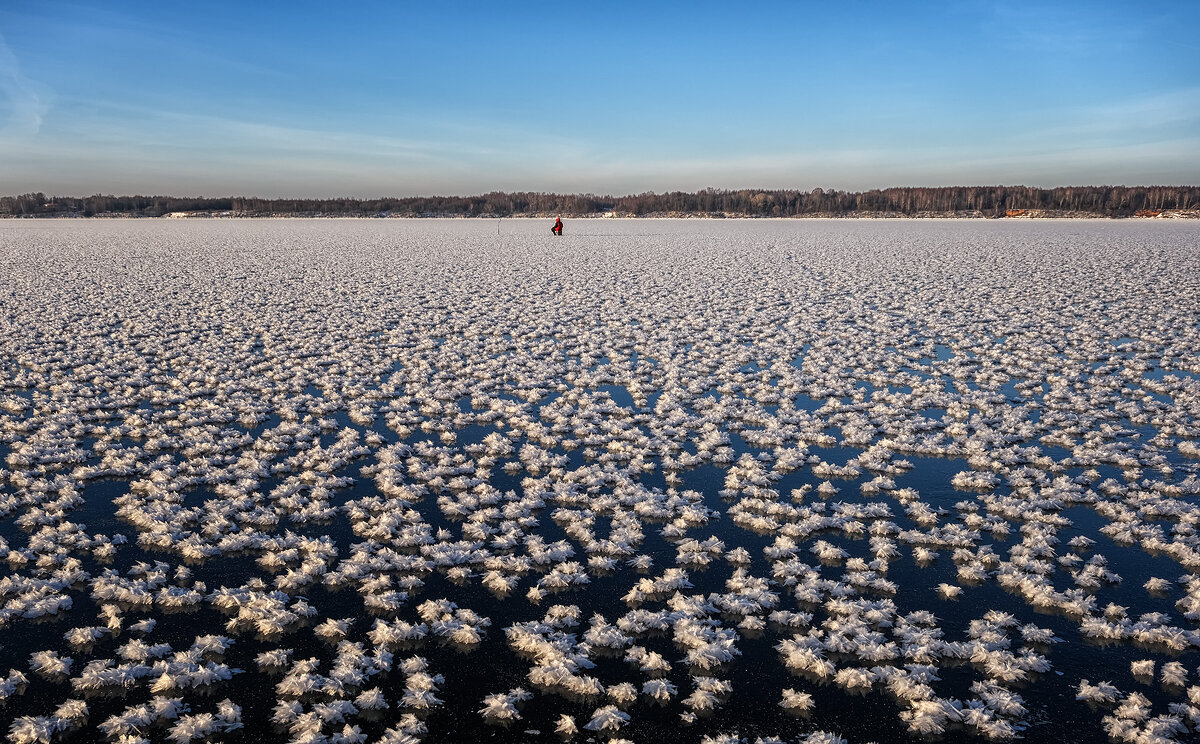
[1112, 201]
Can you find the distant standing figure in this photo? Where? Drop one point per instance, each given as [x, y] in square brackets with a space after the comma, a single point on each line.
[557, 229]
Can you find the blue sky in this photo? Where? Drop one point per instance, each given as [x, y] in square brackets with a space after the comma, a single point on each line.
[400, 98]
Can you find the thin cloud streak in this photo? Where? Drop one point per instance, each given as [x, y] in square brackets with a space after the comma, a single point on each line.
[28, 106]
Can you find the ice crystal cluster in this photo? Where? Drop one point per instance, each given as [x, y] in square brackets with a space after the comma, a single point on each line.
[394, 481]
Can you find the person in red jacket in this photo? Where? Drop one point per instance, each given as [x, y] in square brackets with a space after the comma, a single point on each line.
[557, 229]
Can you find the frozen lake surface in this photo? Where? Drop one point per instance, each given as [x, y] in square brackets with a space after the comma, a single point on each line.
[660, 481]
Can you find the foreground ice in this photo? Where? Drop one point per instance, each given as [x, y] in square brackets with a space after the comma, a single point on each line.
[308, 480]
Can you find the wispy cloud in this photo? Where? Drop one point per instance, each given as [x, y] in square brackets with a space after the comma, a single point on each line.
[416, 137]
[1044, 28]
[1146, 114]
[112, 146]
[26, 103]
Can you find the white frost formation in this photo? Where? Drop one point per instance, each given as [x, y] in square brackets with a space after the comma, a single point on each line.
[651, 449]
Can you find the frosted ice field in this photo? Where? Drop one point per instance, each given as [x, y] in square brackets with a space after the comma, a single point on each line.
[678, 481]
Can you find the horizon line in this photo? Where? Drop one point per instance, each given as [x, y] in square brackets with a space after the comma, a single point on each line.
[593, 194]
